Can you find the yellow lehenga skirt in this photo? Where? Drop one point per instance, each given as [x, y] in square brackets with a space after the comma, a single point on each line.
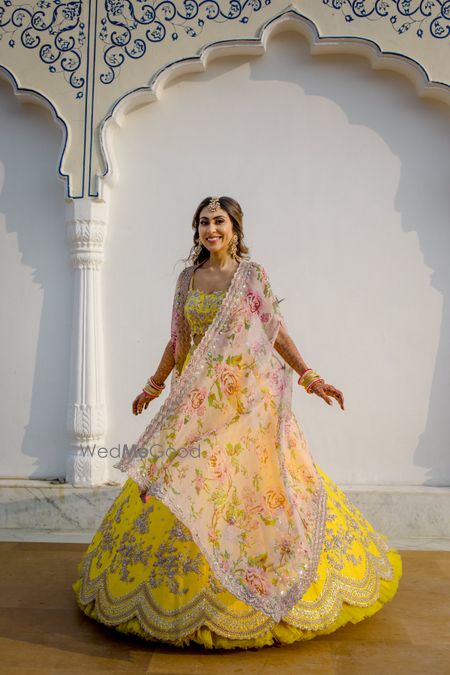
[142, 574]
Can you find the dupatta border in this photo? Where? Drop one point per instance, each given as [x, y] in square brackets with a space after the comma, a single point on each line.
[275, 607]
[193, 367]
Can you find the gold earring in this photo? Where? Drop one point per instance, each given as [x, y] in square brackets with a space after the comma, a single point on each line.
[197, 249]
[232, 247]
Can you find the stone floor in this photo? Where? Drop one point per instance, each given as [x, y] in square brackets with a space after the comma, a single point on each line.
[43, 631]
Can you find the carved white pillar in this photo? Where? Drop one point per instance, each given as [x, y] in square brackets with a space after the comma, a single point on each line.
[86, 221]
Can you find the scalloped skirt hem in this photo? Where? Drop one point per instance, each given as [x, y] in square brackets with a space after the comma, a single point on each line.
[279, 634]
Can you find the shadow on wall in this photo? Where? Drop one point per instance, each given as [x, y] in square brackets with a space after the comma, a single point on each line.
[36, 214]
[421, 192]
[36, 292]
[420, 200]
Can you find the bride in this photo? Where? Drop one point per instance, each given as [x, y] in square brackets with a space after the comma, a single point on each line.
[226, 532]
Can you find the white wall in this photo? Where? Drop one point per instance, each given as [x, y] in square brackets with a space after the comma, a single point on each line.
[35, 292]
[342, 172]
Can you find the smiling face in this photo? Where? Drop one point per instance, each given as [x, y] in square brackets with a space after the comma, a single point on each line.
[215, 229]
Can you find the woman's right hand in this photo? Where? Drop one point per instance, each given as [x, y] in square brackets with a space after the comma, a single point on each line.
[141, 401]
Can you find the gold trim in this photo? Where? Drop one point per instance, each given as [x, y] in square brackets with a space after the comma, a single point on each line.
[206, 609]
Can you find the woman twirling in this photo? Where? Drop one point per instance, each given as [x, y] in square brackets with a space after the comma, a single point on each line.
[226, 533]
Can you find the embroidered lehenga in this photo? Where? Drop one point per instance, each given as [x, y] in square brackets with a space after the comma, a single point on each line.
[244, 541]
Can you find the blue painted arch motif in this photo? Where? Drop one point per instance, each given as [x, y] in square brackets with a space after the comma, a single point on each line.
[54, 29]
[128, 28]
[425, 16]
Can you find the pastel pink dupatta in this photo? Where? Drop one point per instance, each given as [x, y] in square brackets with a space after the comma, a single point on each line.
[226, 455]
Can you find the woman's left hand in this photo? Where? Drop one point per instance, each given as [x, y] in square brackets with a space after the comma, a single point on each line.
[325, 390]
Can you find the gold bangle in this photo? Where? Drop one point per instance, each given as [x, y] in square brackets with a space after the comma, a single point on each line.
[308, 377]
[150, 391]
[317, 379]
[154, 384]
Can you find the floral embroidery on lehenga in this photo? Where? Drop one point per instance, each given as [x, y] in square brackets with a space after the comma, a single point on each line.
[143, 558]
[147, 603]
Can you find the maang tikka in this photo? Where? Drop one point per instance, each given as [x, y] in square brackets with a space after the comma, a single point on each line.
[214, 204]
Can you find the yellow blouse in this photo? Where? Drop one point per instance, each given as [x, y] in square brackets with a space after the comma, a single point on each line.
[200, 309]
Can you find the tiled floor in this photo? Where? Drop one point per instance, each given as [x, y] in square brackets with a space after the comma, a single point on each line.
[43, 631]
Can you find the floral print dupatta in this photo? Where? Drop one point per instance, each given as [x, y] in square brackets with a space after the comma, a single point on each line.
[226, 455]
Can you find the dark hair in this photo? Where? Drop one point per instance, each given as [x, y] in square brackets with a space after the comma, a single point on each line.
[234, 210]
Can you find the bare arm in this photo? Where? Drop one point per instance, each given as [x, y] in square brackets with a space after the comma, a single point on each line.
[166, 365]
[162, 372]
[285, 346]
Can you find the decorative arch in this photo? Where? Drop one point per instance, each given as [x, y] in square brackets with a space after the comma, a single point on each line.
[34, 96]
[91, 62]
[398, 62]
